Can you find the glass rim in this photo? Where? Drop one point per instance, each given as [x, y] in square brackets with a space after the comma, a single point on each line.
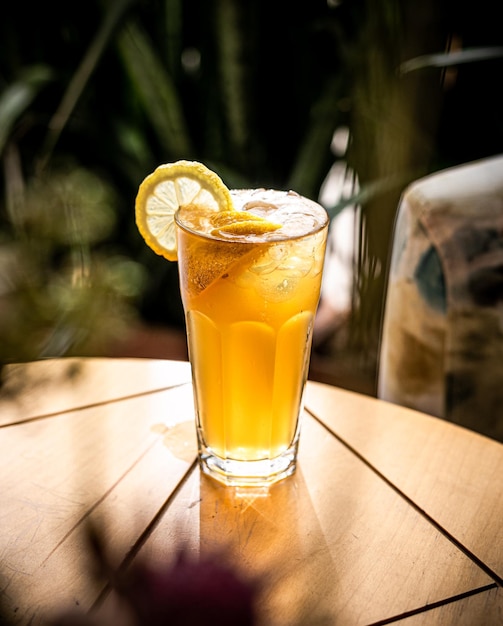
[240, 240]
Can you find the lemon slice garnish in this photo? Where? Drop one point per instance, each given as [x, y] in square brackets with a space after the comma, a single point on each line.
[165, 190]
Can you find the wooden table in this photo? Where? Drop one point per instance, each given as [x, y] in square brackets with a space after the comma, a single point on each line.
[392, 517]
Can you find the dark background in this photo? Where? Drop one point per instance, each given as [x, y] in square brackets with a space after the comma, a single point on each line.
[255, 90]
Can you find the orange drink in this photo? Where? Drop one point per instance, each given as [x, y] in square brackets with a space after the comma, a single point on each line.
[250, 283]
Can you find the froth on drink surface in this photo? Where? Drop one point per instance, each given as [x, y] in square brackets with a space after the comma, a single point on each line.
[297, 214]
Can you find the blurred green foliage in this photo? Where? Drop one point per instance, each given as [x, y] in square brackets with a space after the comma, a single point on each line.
[93, 96]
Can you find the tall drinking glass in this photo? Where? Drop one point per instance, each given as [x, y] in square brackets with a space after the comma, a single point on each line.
[250, 301]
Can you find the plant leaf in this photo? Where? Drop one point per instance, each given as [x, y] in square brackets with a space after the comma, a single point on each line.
[447, 59]
[311, 162]
[18, 96]
[82, 75]
[155, 89]
[232, 72]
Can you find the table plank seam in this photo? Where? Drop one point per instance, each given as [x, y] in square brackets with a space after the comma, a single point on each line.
[144, 536]
[92, 405]
[456, 542]
[435, 605]
[97, 503]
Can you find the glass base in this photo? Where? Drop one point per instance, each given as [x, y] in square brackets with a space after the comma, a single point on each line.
[249, 473]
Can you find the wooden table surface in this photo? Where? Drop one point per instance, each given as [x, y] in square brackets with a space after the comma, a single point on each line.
[392, 516]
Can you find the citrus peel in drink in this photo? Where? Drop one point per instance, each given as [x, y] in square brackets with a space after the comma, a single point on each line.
[243, 228]
[240, 223]
[224, 218]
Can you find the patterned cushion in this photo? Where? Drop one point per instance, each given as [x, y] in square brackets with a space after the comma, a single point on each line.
[442, 340]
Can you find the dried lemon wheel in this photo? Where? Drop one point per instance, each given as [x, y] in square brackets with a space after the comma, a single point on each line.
[165, 190]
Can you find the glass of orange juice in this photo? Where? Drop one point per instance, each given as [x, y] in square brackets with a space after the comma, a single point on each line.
[250, 288]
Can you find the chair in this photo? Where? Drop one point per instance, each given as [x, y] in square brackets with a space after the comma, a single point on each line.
[442, 338]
